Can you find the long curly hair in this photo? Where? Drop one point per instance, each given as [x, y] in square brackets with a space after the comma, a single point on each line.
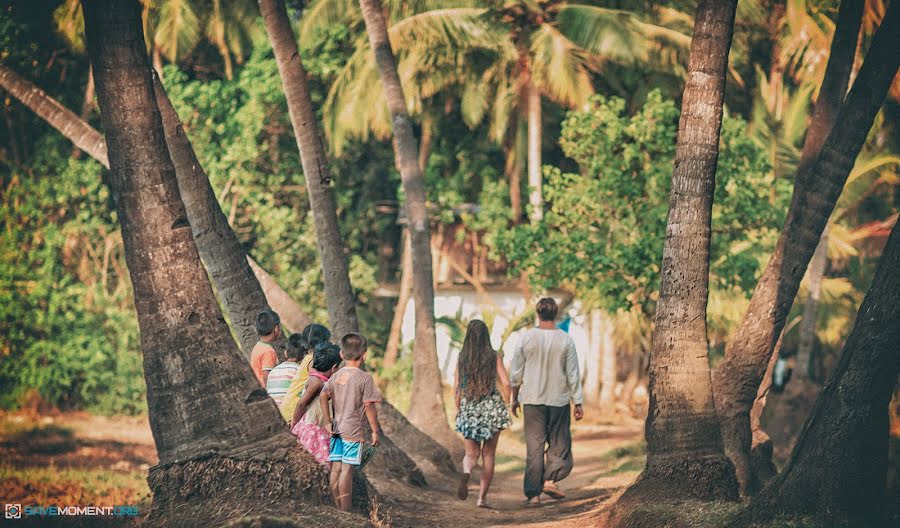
[477, 363]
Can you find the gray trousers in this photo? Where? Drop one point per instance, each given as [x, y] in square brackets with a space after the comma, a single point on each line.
[548, 443]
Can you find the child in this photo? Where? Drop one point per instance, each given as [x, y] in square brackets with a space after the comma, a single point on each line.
[308, 423]
[280, 377]
[354, 395]
[311, 336]
[263, 357]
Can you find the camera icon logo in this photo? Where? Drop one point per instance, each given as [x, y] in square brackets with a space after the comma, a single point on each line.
[13, 511]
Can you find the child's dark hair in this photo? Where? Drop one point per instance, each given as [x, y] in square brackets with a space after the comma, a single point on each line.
[353, 346]
[326, 356]
[295, 348]
[312, 335]
[547, 309]
[266, 321]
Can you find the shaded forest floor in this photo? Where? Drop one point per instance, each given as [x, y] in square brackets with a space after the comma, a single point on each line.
[80, 459]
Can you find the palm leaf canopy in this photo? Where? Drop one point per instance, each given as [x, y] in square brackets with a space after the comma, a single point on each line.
[469, 50]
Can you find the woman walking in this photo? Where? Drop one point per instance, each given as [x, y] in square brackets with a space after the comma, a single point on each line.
[482, 410]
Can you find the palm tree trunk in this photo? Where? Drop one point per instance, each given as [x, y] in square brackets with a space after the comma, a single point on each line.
[592, 361]
[56, 115]
[92, 142]
[608, 368]
[392, 349]
[535, 194]
[221, 251]
[816, 191]
[685, 458]
[814, 275]
[338, 291]
[513, 171]
[839, 463]
[427, 411]
[195, 375]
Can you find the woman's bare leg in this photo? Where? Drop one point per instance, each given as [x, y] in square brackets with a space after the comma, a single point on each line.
[488, 450]
[473, 449]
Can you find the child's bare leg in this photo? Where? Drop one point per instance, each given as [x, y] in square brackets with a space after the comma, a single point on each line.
[488, 450]
[345, 488]
[333, 480]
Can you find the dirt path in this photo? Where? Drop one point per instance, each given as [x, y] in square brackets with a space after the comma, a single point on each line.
[606, 458]
[90, 458]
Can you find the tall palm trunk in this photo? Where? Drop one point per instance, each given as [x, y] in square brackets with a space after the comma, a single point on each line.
[838, 465]
[608, 368]
[513, 170]
[50, 110]
[338, 291]
[221, 251]
[195, 375]
[684, 446]
[392, 349]
[816, 191]
[427, 410]
[592, 360]
[535, 193]
[814, 274]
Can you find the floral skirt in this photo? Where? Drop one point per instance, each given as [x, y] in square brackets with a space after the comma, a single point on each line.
[482, 418]
[314, 439]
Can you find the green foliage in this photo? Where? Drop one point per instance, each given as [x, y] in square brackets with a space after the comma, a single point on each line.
[603, 235]
[67, 326]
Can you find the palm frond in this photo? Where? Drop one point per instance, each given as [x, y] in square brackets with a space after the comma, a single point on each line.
[608, 34]
[559, 68]
[69, 21]
[176, 29]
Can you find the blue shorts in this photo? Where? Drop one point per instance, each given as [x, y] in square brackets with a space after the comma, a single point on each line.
[344, 451]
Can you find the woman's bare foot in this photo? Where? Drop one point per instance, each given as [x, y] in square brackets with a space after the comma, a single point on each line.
[551, 489]
[463, 490]
[482, 503]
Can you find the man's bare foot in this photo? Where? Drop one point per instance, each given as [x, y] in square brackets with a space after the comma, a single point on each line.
[463, 490]
[551, 489]
[533, 501]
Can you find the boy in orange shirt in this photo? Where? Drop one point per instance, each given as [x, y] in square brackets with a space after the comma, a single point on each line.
[263, 357]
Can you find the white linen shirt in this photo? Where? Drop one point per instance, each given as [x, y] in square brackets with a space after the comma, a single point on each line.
[545, 366]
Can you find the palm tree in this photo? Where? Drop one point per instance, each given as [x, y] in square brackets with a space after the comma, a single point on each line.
[684, 446]
[501, 61]
[182, 329]
[427, 411]
[838, 466]
[817, 188]
[338, 291]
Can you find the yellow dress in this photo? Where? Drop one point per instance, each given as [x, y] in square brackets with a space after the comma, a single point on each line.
[292, 398]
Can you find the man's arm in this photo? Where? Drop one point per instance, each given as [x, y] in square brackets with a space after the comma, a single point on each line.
[573, 379]
[516, 373]
[372, 417]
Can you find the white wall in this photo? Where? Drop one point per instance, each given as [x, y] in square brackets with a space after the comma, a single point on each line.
[506, 304]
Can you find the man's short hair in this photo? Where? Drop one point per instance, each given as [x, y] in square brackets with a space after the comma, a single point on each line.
[266, 321]
[547, 309]
[353, 346]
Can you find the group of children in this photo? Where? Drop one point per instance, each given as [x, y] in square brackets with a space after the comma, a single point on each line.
[327, 405]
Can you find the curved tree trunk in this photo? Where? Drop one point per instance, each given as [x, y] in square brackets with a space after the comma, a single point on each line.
[338, 291]
[427, 411]
[92, 142]
[221, 251]
[685, 458]
[592, 360]
[56, 115]
[814, 275]
[608, 368]
[535, 180]
[392, 349]
[839, 464]
[203, 459]
[816, 191]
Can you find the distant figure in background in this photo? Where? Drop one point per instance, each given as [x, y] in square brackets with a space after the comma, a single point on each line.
[283, 374]
[307, 340]
[482, 410]
[263, 357]
[308, 422]
[354, 395]
[545, 368]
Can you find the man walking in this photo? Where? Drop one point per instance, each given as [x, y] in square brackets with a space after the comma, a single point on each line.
[545, 368]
